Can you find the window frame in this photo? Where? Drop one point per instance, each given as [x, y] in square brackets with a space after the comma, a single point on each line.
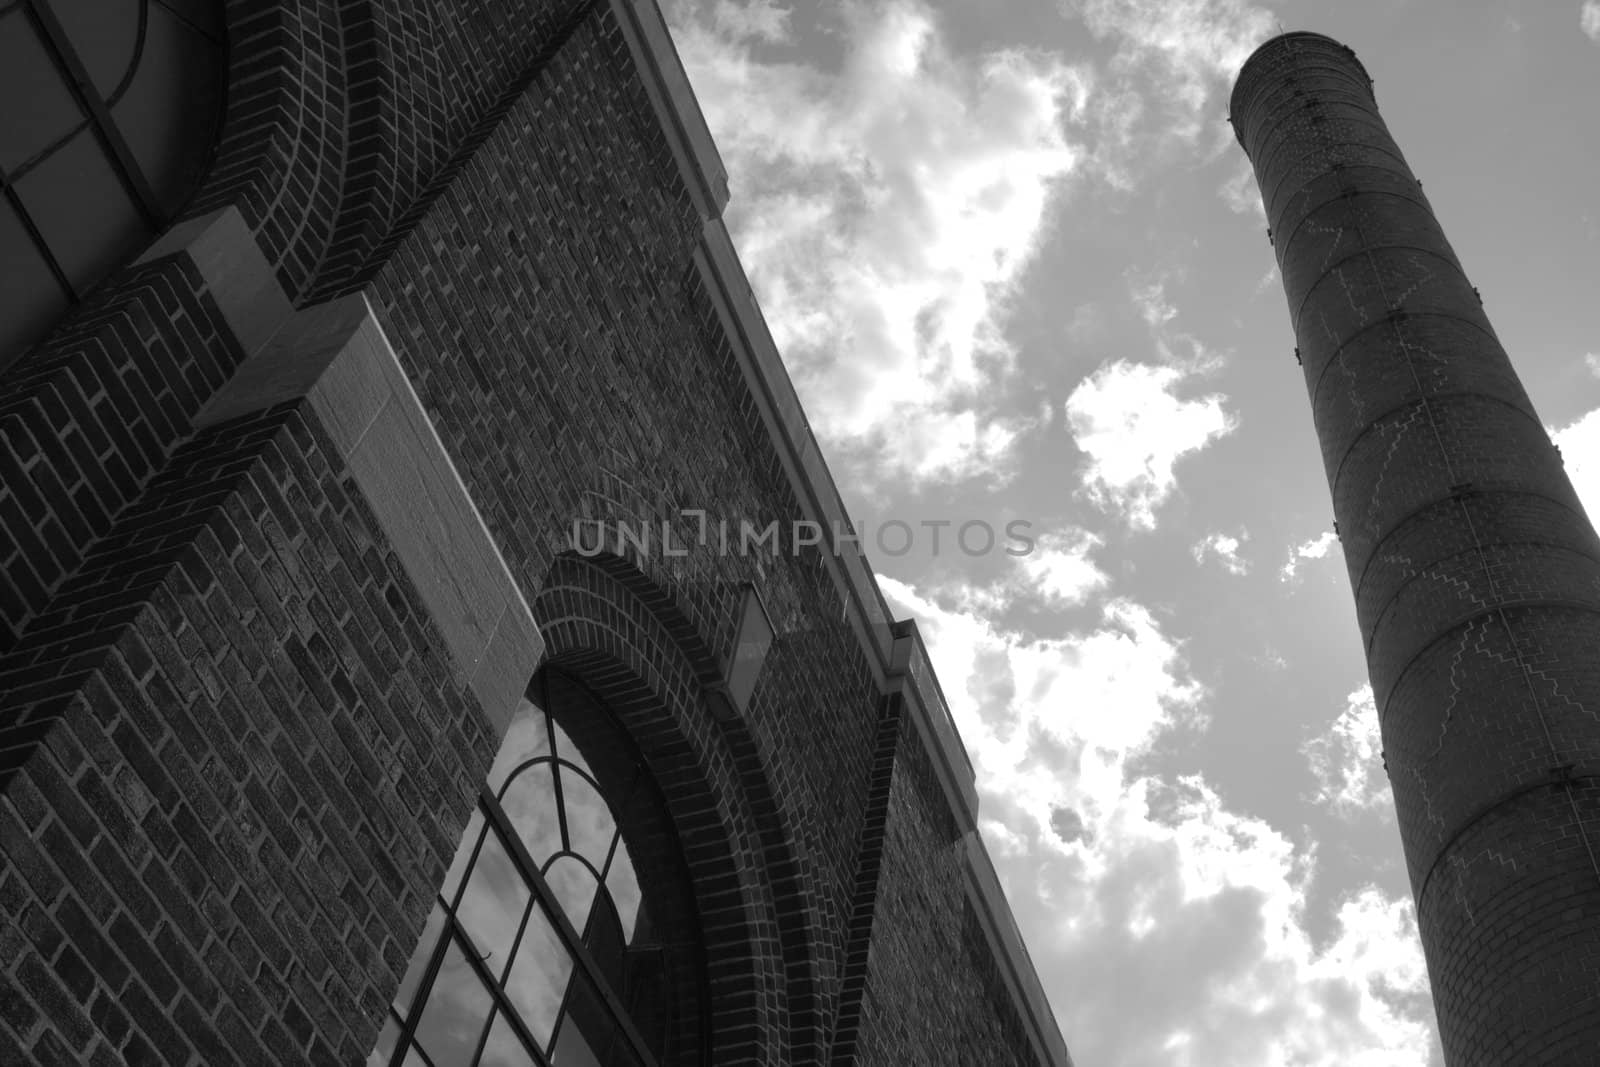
[452, 931]
[96, 121]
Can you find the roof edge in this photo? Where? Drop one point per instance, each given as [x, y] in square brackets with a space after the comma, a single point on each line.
[666, 82]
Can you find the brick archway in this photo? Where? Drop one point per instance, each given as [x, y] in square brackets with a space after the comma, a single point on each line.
[606, 624]
[336, 138]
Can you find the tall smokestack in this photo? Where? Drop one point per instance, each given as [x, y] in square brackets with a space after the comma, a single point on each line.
[1476, 574]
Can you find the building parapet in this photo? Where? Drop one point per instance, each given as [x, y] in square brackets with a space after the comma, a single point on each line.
[1011, 952]
[894, 649]
[667, 83]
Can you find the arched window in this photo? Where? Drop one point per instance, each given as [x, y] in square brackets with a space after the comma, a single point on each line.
[542, 946]
[110, 112]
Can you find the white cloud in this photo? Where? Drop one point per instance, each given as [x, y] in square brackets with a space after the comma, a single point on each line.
[1580, 451]
[1195, 42]
[1061, 569]
[1054, 570]
[1088, 324]
[1134, 889]
[928, 443]
[1150, 298]
[1129, 420]
[1316, 548]
[755, 20]
[1240, 193]
[886, 212]
[1269, 280]
[1173, 64]
[1099, 697]
[1589, 19]
[1347, 760]
[1224, 548]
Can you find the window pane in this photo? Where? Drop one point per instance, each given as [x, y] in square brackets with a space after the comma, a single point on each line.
[590, 827]
[525, 738]
[588, 1035]
[573, 885]
[30, 300]
[201, 14]
[569, 751]
[458, 1005]
[504, 1048]
[419, 960]
[539, 976]
[463, 856]
[648, 995]
[572, 1048]
[38, 106]
[603, 939]
[83, 211]
[492, 907]
[387, 1037]
[168, 113]
[623, 886]
[530, 803]
[102, 33]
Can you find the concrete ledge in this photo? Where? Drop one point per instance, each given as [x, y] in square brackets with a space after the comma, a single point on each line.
[988, 900]
[894, 650]
[912, 673]
[336, 358]
[240, 279]
[677, 110]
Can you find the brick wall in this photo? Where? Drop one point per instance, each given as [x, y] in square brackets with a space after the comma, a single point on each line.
[234, 751]
[932, 982]
[225, 844]
[1475, 570]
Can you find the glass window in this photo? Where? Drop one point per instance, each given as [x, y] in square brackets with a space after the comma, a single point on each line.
[534, 952]
[104, 34]
[31, 298]
[168, 106]
[83, 212]
[538, 981]
[122, 103]
[40, 108]
[455, 1013]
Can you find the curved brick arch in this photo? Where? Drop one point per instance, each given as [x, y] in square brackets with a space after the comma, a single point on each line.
[344, 120]
[608, 625]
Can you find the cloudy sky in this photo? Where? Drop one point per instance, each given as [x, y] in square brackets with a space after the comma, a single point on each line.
[1019, 272]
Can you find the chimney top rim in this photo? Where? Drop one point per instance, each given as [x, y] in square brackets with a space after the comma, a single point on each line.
[1275, 43]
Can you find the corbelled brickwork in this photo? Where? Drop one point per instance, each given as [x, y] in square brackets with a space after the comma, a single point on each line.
[1476, 573]
[239, 737]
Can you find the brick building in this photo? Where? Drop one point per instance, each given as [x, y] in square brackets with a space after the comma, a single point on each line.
[1476, 573]
[322, 739]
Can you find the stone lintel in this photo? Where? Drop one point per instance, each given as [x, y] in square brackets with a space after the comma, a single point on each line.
[336, 358]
